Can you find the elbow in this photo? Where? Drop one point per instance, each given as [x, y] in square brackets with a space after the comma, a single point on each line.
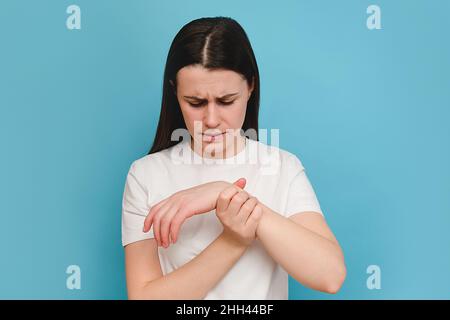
[137, 295]
[150, 292]
[142, 296]
[141, 293]
[335, 283]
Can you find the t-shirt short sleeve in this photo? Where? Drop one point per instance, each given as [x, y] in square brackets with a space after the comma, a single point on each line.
[134, 209]
[301, 195]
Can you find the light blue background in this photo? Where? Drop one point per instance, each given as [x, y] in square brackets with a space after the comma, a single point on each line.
[367, 112]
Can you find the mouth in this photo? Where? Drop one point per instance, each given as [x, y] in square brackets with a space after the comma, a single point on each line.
[215, 134]
[212, 137]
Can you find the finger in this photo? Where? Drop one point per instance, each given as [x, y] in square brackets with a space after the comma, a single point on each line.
[247, 209]
[255, 215]
[153, 210]
[157, 221]
[241, 182]
[175, 226]
[237, 201]
[225, 197]
[149, 219]
[165, 225]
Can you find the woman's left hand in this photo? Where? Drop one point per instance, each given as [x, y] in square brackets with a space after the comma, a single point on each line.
[168, 215]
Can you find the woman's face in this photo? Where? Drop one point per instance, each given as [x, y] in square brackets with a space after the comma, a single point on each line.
[213, 102]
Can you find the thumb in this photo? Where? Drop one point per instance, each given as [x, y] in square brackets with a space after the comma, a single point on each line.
[241, 182]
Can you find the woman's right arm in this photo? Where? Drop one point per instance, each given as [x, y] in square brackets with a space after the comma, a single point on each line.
[191, 281]
[239, 214]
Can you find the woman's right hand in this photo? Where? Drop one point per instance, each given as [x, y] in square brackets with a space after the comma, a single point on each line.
[169, 214]
[239, 214]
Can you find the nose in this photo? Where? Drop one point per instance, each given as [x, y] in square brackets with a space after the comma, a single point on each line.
[212, 115]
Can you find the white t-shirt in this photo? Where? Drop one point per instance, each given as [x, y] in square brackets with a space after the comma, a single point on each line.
[275, 176]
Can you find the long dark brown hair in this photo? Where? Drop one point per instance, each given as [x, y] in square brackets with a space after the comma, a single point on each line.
[214, 43]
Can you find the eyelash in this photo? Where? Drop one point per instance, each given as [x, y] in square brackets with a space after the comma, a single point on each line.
[197, 105]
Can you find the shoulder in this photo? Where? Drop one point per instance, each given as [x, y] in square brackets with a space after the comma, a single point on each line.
[150, 163]
[284, 158]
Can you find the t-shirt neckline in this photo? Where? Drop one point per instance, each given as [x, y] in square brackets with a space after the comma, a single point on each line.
[239, 158]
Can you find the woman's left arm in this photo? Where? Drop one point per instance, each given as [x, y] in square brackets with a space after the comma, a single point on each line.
[305, 247]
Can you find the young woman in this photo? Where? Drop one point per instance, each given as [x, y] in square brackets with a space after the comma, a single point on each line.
[220, 215]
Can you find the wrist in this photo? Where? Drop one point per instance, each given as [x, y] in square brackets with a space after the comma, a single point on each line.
[218, 186]
[262, 220]
[232, 242]
[221, 185]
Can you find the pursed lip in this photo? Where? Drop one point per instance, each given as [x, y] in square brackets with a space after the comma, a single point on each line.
[213, 135]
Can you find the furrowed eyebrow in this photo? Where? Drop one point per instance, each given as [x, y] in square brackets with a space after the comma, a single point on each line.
[230, 95]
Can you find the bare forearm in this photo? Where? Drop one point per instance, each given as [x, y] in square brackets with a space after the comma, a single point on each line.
[196, 278]
[311, 259]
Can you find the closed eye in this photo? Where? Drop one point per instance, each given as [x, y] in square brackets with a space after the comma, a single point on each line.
[196, 105]
[199, 104]
[226, 103]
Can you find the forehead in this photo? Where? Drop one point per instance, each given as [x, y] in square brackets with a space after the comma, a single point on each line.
[199, 81]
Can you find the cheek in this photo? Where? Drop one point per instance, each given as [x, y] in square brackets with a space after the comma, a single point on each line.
[190, 115]
[236, 115]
